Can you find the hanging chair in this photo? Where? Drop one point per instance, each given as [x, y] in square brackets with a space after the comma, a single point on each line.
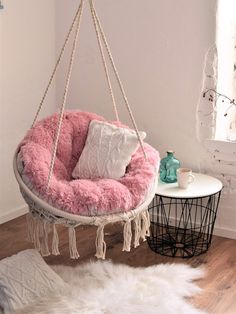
[45, 159]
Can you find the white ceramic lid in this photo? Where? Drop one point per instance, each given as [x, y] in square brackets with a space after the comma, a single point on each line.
[202, 186]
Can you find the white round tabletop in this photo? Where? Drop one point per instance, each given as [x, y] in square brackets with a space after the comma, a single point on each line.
[203, 185]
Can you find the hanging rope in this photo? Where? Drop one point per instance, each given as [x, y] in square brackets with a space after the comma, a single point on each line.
[116, 74]
[78, 12]
[104, 62]
[65, 95]
[100, 37]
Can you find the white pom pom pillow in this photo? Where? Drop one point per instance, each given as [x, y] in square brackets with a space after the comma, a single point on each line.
[107, 151]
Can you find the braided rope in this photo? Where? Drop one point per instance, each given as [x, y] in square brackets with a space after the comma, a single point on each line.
[98, 29]
[104, 62]
[65, 96]
[56, 65]
[117, 75]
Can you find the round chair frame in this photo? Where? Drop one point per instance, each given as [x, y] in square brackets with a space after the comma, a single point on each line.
[43, 217]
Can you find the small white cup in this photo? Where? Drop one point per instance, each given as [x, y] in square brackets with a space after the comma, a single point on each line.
[184, 177]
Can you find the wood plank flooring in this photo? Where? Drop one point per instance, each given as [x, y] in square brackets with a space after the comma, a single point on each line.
[219, 284]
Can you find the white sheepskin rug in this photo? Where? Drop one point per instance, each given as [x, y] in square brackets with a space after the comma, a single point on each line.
[105, 288]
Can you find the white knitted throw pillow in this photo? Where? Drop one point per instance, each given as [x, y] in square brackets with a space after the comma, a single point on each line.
[107, 152]
[24, 278]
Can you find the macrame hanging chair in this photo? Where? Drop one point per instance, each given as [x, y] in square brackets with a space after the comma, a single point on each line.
[44, 161]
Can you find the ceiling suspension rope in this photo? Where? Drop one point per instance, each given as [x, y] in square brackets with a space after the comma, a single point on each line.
[117, 75]
[104, 61]
[57, 64]
[72, 56]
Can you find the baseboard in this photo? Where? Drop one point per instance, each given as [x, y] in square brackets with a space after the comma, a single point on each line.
[227, 233]
[12, 214]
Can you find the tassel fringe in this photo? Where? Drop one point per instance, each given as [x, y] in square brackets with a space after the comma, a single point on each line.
[72, 243]
[141, 227]
[148, 224]
[30, 227]
[38, 231]
[55, 241]
[127, 232]
[145, 230]
[137, 230]
[100, 243]
[44, 239]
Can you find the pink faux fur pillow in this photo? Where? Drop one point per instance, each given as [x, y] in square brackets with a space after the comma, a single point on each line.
[81, 196]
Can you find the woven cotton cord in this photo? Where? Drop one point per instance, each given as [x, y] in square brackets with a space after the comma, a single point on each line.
[65, 95]
[72, 243]
[104, 61]
[117, 75]
[100, 242]
[55, 240]
[127, 235]
[78, 12]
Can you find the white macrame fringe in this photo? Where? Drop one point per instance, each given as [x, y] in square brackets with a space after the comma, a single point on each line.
[72, 243]
[148, 223]
[137, 230]
[30, 227]
[127, 232]
[38, 231]
[100, 243]
[55, 241]
[141, 227]
[44, 238]
[141, 230]
[145, 229]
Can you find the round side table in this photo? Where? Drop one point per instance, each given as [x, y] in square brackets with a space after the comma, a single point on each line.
[182, 220]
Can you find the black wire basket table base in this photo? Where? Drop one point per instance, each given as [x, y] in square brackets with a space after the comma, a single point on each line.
[182, 227]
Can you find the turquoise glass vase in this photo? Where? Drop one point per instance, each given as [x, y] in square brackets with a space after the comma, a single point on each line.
[168, 168]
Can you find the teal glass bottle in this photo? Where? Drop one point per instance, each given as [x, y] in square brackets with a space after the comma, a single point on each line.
[168, 168]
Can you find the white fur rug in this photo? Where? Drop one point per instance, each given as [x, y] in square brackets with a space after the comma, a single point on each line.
[105, 288]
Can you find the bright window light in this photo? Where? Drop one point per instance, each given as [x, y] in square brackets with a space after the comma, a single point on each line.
[226, 42]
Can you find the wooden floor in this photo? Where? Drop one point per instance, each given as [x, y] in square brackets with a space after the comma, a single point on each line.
[219, 284]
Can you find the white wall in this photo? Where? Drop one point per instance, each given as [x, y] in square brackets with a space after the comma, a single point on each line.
[160, 49]
[27, 53]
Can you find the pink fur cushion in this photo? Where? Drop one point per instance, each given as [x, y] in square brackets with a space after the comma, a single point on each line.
[81, 196]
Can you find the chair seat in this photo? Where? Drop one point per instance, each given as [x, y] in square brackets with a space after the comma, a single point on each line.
[79, 196]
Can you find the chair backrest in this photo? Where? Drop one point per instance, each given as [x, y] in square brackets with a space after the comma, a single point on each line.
[72, 136]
